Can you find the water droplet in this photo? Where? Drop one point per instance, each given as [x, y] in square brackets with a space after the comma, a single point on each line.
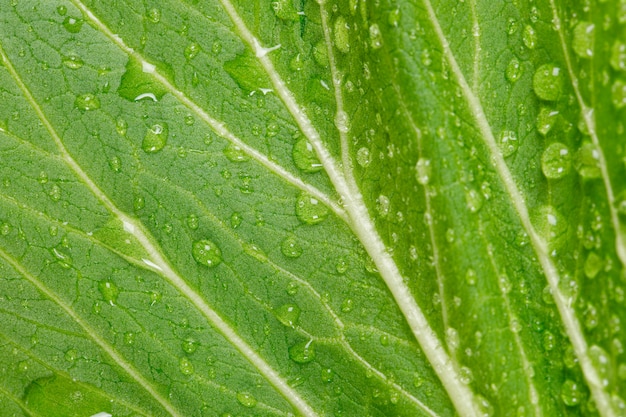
[342, 35]
[155, 138]
[154, 15]
[382, 206]
[272, 130]
[109, 291]
[618, 94]
[235, 220]
[551, 225]
[549, 341]
[284, 9]
[618, 56]
[363, 157]
[591, 317]
[507, 142]
[320, 53]
[376, 37]
[546, 120]
[593, 265]
[452, 338]
[247, 400]
[73, 62]
[309, 210]
[292, 288]
[60, 396]
[571, 393]
[302, 352]
[556, 161]
[341, 266]
[115, 163]
[139, 203]
[192, 221]
[71, 355]
[347, 305]
[327, 375]
[513, 70]
[235, 154]
[600, 360]
[62, 257]
[505, 284]
[529, 37]
[192, 50]
[87, 102]
[288, 314]
[43, 177]
[384, 340]
[189, 345]
[129, 338]
[465, 375]
[5, 229]
[72, 24]
[474, 200]
[206, 253]
[121, 126]
[423, 171]
[394, 18]
[582, 41]
[61, 10]
[470, 277]
[55, 193]
[137, 82]
[185, 366]
[291, 248]
[548, 82]
[304, 156]
[485, 408]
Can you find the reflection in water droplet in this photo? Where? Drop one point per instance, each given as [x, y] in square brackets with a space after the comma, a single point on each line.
[548, 82]
[302, 352]
[556, 161]
[206, 253]
[309, 210]
[288, 314]
[87, 102]
[155, 138]
[304, 156]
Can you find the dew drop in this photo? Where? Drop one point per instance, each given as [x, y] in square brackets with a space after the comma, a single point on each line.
[342, 35]
[43, 177]
[327, 375]
[72, 24]
[291, 248]
[485, 408]
[470, 277]
[394, 18]
[129, 338]
[109, 291]
[529, 37]
[62, 257]
[571, 393]
[465, 375]
[235, 220]
[304, 156]
[139, 203]
[593, 265]
[302, 352]
[206, 253]
[235, 154]
[309, 210]
[61, 10]
[376, 37]
[546, 120]
[341, 266]
[55, 193]
[549, 341]
[288, 314]
[507, 142]
[423, 171]
[347, 305]
[600, 360]
[582, 41]
[192, 221]
[246, 399]
[513, 70]
[192, 50]
[5, 229]
[115, 163]
[292, 288]
[382, 205]
[384, 340]
[189, 345]
[185, 366]
[155, 138]
[618, 56]
[87, 102]
[618, 94]
[363, 157]
[556, 161]
[73, 62]
[452, 338]
[121, 126]
[548, 82]
[474, 200]
[154, 15]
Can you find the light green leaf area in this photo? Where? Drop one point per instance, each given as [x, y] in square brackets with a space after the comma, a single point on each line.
[315, 208]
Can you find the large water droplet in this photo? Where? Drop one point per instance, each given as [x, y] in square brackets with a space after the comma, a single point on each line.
[87, 102]
[571, 393]
[548, 82]
[601, 361]
[154, 15]
[291, 248]
[206, 253]
[189, 345]
[109, 291]
[155, 138]
[363, 157]
[342, 35]
[288, 314]
[304, 156]
[72, 24]
[507, 142]
[546, 120]
[587, 161]
[302, 352]
[582, 41]
[529, 37]
[137, 82]
[309, 210]
[556, 161]
[246, 399]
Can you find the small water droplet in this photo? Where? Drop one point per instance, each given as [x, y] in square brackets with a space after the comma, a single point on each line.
[548, 82]
[376, 37]
[347, 305]
[556, 161]
[87, 102]
[189, 345]
[5, 229]
[139, 203]
[291, 248]
[288, 314]
[185, 366]
[363, 157]
[546, 120]
[192, 50]
[582, 41]
[382, 205]
[485, 408]
[549, 341]
[327, 375]
[452, 338]
[192, 221]
[465, 375]
[474, 200]
[423, 171]
[235, 154]
[602, 363]
[302, 352]
[304, 156]
[593, 265]
[246, 399]
[71, 355]
[341, 266]
[206, 253]
[154, 15]
[513, 70]
[529, 37]
[73, 62]
[309, 210]
[618, 94]
[235, 220]
[55, 193]
[394, 18]
[72, 24]
[618, 56]
[342, 35]
[470, 277]
[61, 10]
[129, 338]
[43, 177]
[507, 142]
[62, 257]
[115, 163]
[571, 393]
[155, 138]
[109, 291]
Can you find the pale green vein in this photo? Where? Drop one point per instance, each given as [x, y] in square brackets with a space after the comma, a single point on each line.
[93, 335]
[159, 263]
[568, 315]
[363, 227]
[217, 126]
[589, 119]
[477, 45]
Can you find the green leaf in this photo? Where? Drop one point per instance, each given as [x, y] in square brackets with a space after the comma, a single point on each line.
[351, 208]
